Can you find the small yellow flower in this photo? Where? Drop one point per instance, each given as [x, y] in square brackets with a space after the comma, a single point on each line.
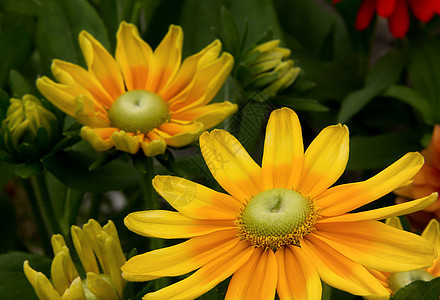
[282, 227]
[91, 242]
[394, 281]
[140, 98]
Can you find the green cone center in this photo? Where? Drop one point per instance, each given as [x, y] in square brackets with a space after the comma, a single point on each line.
[138, 111]
[275, 213]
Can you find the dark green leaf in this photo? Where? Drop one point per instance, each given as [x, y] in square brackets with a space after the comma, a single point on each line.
[72, 169]
[384, 73]
[420, 290]
[229, 33]
[26, 7]
[15, 48]
[411, 97]
[377, 152]
[59, 25]
[13, 282]
[424, 69]
[18, 84]
[300, 103]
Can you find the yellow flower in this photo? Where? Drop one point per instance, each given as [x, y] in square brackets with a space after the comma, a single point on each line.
[394, 281]
[140, 98]
[91, 242]
[282, 227]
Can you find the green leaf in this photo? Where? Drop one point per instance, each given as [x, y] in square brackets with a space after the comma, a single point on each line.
[420, 290]
[18, 84]
[384, 73]
[13, 282]
[72, 169]
[15, 48]
[378, 152]
[297, 103]
[424, 69]
[26, 7]
[229, 33]
[59, 25]
[411, 97]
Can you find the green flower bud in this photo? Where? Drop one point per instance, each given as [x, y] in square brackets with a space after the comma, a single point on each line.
[28, 128]
[266, 67]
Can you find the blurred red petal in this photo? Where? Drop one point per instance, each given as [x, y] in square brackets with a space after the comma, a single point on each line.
[422, 9]
[398, 22]
[385, 7]
[365, 14]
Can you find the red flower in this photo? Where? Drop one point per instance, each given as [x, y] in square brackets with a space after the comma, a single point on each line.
[397, 13]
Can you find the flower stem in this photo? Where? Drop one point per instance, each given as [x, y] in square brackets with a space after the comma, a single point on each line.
[44, 203]
[44, 233]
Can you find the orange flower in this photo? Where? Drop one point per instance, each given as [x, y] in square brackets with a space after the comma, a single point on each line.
[140, 98]
[425, 182]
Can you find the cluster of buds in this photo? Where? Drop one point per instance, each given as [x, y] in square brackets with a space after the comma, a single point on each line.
[27, 130]
[268, 69]
[98, 249]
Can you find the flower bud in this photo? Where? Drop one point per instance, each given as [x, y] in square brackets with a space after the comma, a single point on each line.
[268, 69]
[28, 128]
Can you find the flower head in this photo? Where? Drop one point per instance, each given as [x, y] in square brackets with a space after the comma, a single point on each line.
[426, 181]
[268, 68]
[397, 13]
[141, 98]
[28, 129]
[282, 227]
[98, 248]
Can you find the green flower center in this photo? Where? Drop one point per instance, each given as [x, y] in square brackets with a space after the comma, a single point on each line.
[138, 111]
[277, 217]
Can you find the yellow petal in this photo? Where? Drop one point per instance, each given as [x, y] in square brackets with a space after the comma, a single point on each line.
[126, 142]
[100, 287]
[297, 277]
[74, 75]
[384, 212]
[85, 113]
[134, 56]
[62, 96]
[42, 286]
[84, 250]
[102, 65]
[208, 82]
[167, 58]
[432, 234]
[194, 200]
[153, 147]
[179, 135]
[231, 165]
[344, 198]
[377, 246]
[172, 225]
[181, 258]
[75, 291]
[209, 115]
[394, 222]
[283, 151]
[256, 279]
[207, 276]
[58, 272]
[185, 78]
[99, 138]
[325, 160]
[339, 271]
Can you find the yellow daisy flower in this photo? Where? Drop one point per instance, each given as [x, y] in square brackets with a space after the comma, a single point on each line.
[98, 249]
[394, 281]
[282, 227]
[140, 98]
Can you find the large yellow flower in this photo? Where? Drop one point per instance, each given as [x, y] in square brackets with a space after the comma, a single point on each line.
[282, 227]
[141, 98]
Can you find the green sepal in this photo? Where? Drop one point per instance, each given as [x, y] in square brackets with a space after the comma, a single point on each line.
[28, 170]
[105, 158]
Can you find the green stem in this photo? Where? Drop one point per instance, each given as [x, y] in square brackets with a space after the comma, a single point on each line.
[45, 204]
[44, 234]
